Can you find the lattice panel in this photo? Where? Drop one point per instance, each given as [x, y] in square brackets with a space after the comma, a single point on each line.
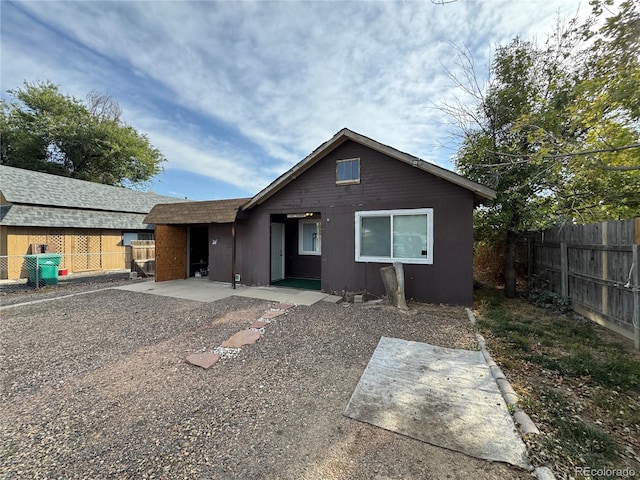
[80, 249]
[56, 239]
[95, 251]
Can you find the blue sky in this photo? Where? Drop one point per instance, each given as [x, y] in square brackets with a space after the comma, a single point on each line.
[235, 93]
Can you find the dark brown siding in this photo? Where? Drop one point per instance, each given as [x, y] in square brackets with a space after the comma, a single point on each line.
[220, 253]
[385, 184]
[171, 253]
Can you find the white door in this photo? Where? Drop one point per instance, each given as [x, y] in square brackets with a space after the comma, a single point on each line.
[277, 251]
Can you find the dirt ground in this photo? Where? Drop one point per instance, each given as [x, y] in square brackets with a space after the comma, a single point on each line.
[95, 386]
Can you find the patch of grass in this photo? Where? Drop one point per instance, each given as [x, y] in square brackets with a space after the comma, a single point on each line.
[579, 385]
[607, 402]
[589, 443]
[580, 362]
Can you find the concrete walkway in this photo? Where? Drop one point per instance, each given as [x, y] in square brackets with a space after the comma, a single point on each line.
[202, 290]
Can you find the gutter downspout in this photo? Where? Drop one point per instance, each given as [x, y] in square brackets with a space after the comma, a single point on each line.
[233, 254]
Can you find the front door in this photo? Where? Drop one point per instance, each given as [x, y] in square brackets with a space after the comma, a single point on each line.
[277, 251]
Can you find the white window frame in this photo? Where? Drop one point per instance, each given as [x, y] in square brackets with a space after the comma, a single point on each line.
[393, 213]
[352, 180]
[318, 224]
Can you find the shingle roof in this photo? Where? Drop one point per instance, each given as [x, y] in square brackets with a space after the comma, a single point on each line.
[480, 192]
[210, 211]
[31, 216]
[22, 186]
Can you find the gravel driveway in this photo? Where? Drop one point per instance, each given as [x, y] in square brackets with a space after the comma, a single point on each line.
[95, 386]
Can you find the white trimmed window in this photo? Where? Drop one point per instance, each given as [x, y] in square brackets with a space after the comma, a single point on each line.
[309, 239]
[348, 171]
[388, 236]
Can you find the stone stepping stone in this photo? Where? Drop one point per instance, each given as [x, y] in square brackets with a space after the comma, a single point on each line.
[204, 360]
[259, 324]
[243, 337]
[282, 306]
[270, 315]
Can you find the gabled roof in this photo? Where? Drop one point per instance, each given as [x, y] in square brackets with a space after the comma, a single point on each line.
[480, 192]
[210, 211]
[20, 186]
[55, 217]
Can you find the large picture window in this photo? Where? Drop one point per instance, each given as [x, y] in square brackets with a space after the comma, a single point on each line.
[309, 237]
[388, 236]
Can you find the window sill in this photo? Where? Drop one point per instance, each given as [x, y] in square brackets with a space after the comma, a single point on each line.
[409, 261]
[347, 182]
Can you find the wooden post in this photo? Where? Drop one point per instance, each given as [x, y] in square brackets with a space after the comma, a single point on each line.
[636, 295]
[390, 282]
[530, 257]
[402, 302]
[604, 288]
[564, 269]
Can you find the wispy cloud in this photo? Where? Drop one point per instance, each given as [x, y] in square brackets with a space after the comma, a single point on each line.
[238, 91]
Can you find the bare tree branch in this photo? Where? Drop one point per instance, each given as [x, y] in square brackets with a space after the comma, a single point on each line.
[103, 106]
[528, 158]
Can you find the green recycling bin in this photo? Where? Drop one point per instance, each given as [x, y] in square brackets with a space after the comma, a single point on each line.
[34, 270]
[49, 263]
[43, 268]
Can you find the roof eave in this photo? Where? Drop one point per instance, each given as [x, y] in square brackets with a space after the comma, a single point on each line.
[480, 192]
[300, 167]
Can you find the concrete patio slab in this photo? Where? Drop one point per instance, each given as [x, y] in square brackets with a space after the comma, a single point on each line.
[203, 290]
[189, 289]
[446, 397]
[283, 295]
[333, 299]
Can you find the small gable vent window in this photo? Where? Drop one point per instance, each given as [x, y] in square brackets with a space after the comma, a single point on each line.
[348, 171]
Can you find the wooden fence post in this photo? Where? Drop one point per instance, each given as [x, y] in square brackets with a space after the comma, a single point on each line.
[530, 258]
[564, 270]
[635, 321]
[604, 288]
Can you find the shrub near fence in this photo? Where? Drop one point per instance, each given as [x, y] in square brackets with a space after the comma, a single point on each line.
[596, 267]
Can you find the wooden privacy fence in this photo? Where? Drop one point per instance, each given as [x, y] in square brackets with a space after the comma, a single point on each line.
[596, 266]
[143, 256]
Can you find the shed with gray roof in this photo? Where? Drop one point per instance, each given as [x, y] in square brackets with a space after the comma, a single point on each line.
[89, 223]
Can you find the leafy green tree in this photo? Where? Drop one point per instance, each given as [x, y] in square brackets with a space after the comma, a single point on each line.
[496, 151]
[605, 118]
[45, 130]
[555, 131]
